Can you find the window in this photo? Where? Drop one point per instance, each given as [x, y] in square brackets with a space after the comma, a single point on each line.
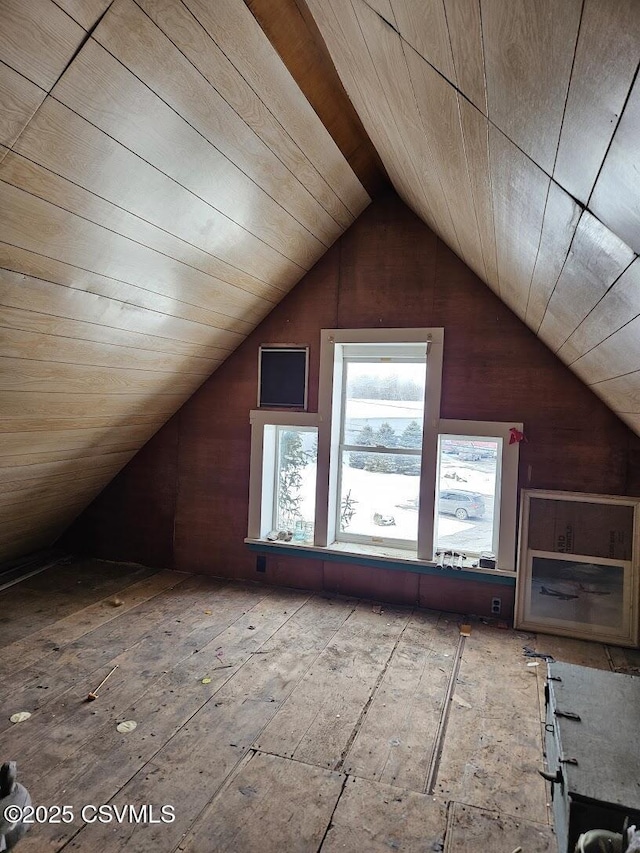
[296, 450]
[282, 484]
[381, 425]
[385, 379]
[377, 466]
[477, 490]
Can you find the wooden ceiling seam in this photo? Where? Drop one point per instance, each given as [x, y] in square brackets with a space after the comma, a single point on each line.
[501, 131]
[602, 297]
[196, 129]
[153, 225]
[140, 227]
[535, 263]
[83, 13]
[250, 69]
[419, 173]
[570, 318]
[266, 107]
[477, 5]
[257, 297]
[254, 306]
[618, 312]
[222, 273]
[142, 308]
[55, 352]
[233, 286]
[585, 216]
[280, 99]
[462, 94]
[566, 94]
[216, 358]
[424, 126]
[367, 118]
[622, 112]
[154, 166]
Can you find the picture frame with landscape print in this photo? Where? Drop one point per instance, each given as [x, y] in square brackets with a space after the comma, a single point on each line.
[578, 567]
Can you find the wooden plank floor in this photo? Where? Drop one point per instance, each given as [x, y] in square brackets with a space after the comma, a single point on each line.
[271, 719]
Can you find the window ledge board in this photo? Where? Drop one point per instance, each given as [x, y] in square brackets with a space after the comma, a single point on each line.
[361, 556]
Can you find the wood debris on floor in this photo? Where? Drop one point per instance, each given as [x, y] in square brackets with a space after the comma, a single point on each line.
[270, 719]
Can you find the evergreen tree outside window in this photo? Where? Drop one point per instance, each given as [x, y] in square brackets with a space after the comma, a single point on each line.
[381, 447]
[295, 472]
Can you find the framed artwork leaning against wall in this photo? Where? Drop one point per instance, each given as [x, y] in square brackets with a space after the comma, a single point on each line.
[578, 566]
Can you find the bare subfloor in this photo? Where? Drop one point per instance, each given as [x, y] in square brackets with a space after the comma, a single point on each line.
[270, 719]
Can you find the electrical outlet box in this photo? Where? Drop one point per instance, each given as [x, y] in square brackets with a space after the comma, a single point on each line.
[496, 606]
[261, 563]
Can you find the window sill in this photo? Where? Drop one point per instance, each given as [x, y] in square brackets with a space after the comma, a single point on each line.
[379, 557]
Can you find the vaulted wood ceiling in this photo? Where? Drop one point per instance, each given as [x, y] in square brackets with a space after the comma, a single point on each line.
[164, 181]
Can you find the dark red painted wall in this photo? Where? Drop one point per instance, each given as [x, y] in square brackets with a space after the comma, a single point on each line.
[182, 502]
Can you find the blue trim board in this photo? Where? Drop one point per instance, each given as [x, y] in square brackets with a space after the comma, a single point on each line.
[330, 556]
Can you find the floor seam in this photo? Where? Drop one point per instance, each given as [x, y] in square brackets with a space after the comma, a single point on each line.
[335, 808]
[363, 713]
[441, 733]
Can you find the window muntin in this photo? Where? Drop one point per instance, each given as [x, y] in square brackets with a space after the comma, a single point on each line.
[380, 450]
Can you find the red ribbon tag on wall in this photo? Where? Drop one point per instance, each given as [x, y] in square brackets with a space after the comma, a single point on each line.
[516, 436]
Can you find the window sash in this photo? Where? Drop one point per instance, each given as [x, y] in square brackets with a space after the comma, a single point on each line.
[369, 448]
[362, 354]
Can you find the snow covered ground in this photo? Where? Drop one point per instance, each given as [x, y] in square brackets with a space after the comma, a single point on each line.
[394, 497]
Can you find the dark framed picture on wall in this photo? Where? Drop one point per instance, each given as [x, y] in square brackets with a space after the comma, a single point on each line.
[578, 566]
[283, 374]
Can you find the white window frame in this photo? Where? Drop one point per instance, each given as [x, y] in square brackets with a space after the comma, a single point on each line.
[370, 354]
[506, 501]
[262, 485]
[332, 347]
[262, 474]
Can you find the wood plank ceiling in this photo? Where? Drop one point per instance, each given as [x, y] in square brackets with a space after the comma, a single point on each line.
[512, 128]
[164, 182]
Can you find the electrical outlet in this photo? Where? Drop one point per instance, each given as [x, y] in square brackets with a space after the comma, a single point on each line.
[261, 563]
[496, 606]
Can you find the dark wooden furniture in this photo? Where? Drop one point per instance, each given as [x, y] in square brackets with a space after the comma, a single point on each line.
[592, 744]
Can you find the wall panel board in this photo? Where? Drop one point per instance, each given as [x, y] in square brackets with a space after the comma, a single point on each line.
[37, 39]
[85, 12]
[140, 45]
[192, 39]
[619, 305]
[596, 260]
[615, 356]
[125, 255]
[424, 27]
[52, 441]
[616, 199]
[528, 49]
[232, 26]
[605, 63]
[519, 190]
[142, 206]
[561, 215]
[72, 303]
[168, 192]
[19, 99]
[465, 33]
[104, 92]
